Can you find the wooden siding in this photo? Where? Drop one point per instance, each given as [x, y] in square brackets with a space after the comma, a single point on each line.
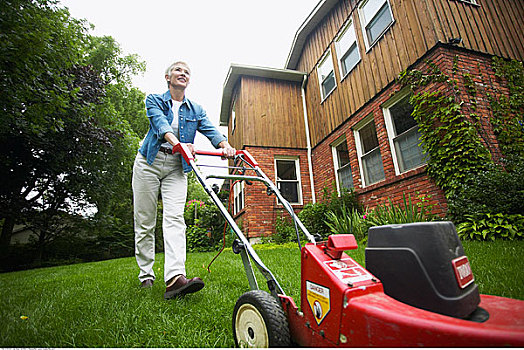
[269, 113]
[492, 27]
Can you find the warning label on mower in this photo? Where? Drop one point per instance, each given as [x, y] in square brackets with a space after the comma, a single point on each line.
[318, 299]
[348, 271]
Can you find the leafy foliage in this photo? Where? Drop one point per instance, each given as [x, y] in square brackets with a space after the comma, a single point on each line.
[448, 137]
[484, 198]
[350, 221]
[508, 110]
[314, 216]
[487, 226]
[69, 126]
[284, 231]
[497, 189]
[408, 212]
[205, 223]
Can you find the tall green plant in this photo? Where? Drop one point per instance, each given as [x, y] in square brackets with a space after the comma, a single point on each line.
[350, 221]
[400, 214]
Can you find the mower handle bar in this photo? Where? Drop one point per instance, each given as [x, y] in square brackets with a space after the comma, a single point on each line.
[188, 156]
[273, 284]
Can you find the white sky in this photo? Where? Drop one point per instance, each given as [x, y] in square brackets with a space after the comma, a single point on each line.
[208, 34]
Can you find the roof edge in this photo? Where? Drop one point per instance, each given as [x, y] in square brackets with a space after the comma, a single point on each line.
[318, 13]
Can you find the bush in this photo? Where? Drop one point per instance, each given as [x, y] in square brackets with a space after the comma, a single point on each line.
[313, 217]
[205, 226]
[495, 190]
[488, 227]
[284, 230]
[347, 199]
[197, 239]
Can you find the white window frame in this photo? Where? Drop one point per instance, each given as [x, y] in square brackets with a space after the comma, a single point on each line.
[326, 59]
[360, 153]
[364, 20]
[238, 203]
[336, 161]
[233, 117]
[343, 43]
[392, 134]
[472, 2]
[299, 177]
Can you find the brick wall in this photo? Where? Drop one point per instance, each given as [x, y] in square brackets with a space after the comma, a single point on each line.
[477, 69]
[260, 211]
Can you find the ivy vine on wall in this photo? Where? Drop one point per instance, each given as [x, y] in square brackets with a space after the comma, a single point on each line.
[449, 138]
[508, 109]
[485, 197]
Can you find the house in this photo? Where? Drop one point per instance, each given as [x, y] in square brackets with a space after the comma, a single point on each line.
[336, 114]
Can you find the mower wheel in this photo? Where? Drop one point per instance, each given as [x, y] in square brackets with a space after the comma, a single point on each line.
[259, 321]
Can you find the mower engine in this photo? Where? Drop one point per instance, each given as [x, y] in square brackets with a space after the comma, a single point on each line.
[417, 290]
[413, 263]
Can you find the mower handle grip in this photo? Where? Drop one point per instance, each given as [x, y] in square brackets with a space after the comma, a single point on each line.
[188, 156]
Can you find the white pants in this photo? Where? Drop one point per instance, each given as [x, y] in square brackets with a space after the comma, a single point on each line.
[165, 175]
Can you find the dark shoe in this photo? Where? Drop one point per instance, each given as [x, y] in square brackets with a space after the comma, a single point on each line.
[183, 286]
[147, 284]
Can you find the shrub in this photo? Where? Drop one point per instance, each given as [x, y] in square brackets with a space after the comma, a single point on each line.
[398, 214]
[495, 190]
[197, 239]
[313, 217]
[284, 230]
[347, 199]
[486, 226]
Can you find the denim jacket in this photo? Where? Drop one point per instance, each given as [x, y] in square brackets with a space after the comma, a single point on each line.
[192, 118]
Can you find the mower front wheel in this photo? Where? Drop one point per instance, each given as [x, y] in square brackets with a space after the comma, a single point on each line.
[259, 321]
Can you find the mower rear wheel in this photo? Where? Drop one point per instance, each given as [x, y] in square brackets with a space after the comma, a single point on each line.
[259, 321]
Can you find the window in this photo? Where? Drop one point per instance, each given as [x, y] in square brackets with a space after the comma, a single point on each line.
[347, 49]
[344, 177]
[326, 75]
[288, 180]
[376, 17]
[238, 195]
[403, 135]
[368, 151]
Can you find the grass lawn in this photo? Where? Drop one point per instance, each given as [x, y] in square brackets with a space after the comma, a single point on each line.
[101, 305]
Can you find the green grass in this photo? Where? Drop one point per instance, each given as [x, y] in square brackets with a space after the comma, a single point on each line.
[100, 304]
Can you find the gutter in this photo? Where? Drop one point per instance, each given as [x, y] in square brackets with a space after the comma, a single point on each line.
[308, 140]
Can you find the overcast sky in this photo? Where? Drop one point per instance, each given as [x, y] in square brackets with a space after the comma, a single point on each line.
[208, 34]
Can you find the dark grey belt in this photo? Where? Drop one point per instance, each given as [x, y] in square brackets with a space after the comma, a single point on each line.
[166, 150]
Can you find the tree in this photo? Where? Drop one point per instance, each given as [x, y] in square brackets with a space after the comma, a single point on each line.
[68, 123]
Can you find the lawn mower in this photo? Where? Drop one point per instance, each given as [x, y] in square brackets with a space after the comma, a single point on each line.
[417, 289]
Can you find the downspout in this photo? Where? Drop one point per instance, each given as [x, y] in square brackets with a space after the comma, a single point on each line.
[308, 141]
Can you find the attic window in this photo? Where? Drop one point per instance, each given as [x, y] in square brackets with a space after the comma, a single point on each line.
[473, 2]
[326, 76]
[376, 18]
[347, 49]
